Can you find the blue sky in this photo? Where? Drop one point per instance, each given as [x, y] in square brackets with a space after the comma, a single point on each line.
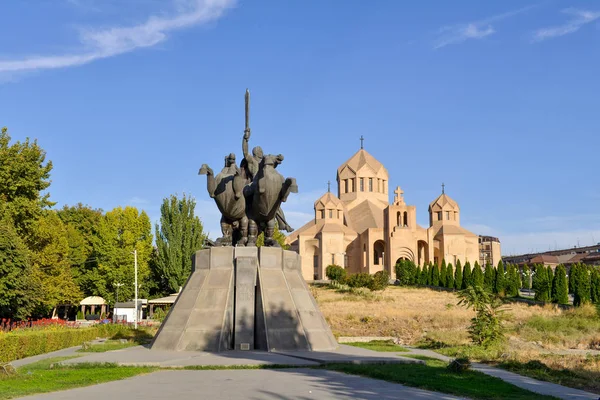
[499, 100]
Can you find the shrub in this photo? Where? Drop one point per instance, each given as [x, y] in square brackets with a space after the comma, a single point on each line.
[160, 315]
[460, 364]
[335, 273]
[360, 280]
[21, 344]
[405, 272]
[596, 286]
[486, 327]
[380, 280]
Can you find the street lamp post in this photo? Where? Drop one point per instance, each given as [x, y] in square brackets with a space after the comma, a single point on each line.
[135, 318]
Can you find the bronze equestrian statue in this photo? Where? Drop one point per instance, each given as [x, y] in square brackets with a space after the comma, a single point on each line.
[249, 197]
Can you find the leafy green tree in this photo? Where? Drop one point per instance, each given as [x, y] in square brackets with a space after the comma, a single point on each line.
[458, 276]
[178, 237]
[488, 278]
[24, 175]
[595, 283]
[477, 275]
[435, 277]
[18, 289]
[51, 265]
[450, 277]
[81, 224]
[541, 283]
[277, 235]
[560, 290]
[443, 273]
[582, 289]
[466, 278]
[120, 232]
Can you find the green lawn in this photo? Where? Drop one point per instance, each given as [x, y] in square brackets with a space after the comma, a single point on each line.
[45, 376]
[109, 345]
[379, 345]
[434, 375]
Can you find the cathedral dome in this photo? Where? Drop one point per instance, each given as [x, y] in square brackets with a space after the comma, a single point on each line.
[361, 159]
[444, 202]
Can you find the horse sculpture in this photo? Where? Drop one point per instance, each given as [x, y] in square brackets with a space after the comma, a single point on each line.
[264, 197]
[227, 190]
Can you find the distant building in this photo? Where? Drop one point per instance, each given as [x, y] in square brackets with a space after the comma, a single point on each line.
[585, 255]
[360, 230]
[489, 250]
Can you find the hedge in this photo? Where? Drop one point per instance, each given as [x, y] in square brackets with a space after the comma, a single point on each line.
[21, 344]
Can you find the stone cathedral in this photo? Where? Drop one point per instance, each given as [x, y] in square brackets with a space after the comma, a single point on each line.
[360, 230]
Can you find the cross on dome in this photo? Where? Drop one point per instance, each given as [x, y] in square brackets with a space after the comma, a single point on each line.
[328, 186]
[443, 187]
[362, 139]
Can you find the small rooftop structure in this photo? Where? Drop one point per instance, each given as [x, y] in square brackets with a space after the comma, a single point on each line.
[93, 301]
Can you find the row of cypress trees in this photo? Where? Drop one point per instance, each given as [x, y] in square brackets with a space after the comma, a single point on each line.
[549, 285]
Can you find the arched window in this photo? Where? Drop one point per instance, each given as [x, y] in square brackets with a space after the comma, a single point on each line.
[330, 213]
[399, 219]
[345, 185]
[405, 218]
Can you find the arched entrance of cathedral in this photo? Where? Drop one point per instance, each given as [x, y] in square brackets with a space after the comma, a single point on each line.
[404, 253]
[422, 252]
[379, 252]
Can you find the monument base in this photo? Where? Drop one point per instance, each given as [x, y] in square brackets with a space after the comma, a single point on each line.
[245, 298]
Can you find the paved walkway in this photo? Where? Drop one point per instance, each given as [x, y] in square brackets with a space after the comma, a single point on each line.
[142, 356]
[281, 384]
[533, 385]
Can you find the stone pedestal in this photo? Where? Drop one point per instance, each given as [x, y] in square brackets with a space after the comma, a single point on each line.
[245, 298]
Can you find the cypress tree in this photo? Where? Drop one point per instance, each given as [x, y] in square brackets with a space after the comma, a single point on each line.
[488, 278]
[526, 277]
[573, 278]
[450, 277]
[477, 275]
[431, 268]
[596, 286]
[550, 280]
[500, 280]
[540, 283]
[423, 277]
[435, 277]
[560, 290]
[582, 290]
[512, 283]
[443, 273]
[417, 280]
[458, 277]
[466, 281]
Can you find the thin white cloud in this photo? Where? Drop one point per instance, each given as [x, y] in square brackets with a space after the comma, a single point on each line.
[579, 19]
[455, 34]
[103, 43]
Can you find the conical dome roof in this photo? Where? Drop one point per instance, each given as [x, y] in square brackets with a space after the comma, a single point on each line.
[329, 198]
[360, 159]
[444, 200]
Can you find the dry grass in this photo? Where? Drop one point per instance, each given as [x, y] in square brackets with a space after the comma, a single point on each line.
[535, 334]
[414, 315]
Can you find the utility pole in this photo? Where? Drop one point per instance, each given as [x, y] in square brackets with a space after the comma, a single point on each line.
[135, 320]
